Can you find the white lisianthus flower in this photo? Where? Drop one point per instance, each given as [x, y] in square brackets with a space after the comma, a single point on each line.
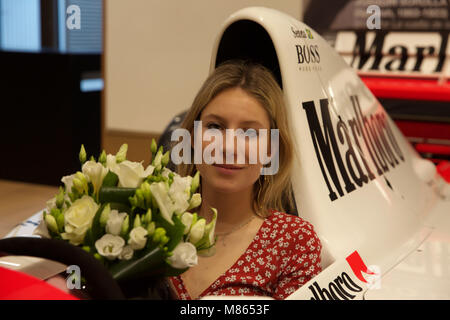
[184, 256]
[127, 253]
[138, 238]
[50, 204]
[197, 231]
[160, 192]
[186, 219]
[195, 201]
[210, 238]
[110, 246]
[111, 163]
[131, 174]
[211, 227]
[165, 172]
[78, 219]
[95, 172]
[179, 192]
[68, 182]
[51, 223]
[114, 222]
[42, 229]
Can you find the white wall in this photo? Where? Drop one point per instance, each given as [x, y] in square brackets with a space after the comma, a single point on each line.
[157, 54]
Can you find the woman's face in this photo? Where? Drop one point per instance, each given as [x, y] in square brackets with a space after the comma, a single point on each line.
[233, 109]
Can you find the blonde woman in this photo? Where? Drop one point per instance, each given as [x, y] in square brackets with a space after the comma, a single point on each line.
[260, 250]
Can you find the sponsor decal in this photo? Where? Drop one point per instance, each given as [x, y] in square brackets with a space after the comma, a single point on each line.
[375, 56]
[307, 53]
[343, 287]
[298, 33]
[308, 57]
[371, 131]
[303, 34]
[358, 266]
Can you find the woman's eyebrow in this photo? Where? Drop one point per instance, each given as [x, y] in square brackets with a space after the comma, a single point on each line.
[212, 115]
[252, 122]
[247, 122]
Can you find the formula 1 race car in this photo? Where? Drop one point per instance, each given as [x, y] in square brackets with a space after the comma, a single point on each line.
[382, 212]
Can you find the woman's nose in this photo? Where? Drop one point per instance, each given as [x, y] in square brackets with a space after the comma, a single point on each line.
[233, 148]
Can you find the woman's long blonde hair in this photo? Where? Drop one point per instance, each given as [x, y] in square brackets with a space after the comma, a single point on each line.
[270, 191]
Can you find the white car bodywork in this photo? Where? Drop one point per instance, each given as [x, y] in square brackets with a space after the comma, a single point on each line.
[381, 211]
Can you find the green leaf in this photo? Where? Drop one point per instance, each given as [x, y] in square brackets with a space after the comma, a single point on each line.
[175, 232]
[89, 239]
[121, 207]
[152, 263]
[173, 272]
[111, 179]
[96, 231]
[115, 194]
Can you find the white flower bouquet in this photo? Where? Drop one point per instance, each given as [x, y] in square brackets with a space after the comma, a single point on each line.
[136, 221]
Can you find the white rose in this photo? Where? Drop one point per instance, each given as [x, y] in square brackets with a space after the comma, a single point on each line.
[114, 222]
[138, 238]
[110, 246]
[78, 219]
[184, 256]
[131, 174]
[127, 253]
[95, 172]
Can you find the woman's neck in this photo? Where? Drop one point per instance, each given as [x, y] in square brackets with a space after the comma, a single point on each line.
[232, 208]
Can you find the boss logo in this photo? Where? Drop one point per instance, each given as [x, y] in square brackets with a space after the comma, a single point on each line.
[308, 53]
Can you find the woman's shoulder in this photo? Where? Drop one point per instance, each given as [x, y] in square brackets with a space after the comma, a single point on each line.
[289, 219]
[294, 232]
[298, 228]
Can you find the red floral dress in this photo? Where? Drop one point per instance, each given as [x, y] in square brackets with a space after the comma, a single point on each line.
[283, 256]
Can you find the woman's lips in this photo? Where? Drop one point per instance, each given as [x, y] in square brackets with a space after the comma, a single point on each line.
[227, 168]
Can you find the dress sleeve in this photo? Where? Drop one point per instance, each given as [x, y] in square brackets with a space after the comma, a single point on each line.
[303, 261]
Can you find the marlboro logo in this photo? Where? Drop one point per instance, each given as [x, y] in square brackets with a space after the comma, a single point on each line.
[343, 287]
[353, 167]
[380, 56]
[358, 266]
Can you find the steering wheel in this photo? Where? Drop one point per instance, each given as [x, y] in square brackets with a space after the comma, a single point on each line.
[101, 284]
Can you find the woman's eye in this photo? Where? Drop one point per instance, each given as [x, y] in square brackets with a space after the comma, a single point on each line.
[213, 125]
[251, 132]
